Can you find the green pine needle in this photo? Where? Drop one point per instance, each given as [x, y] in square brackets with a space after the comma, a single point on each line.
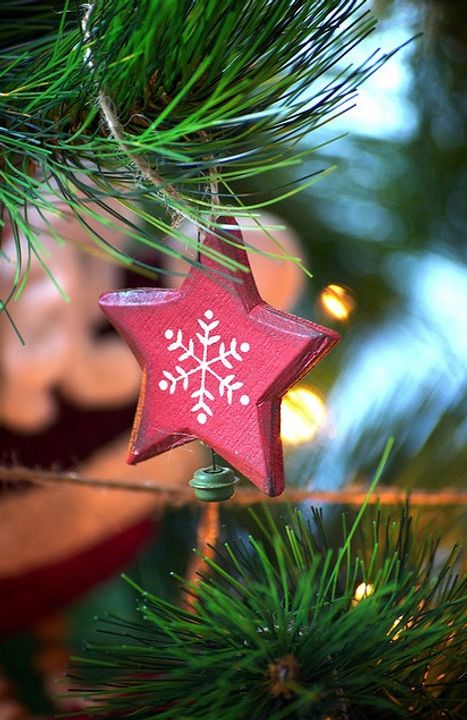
[167, 100]
[278, 631]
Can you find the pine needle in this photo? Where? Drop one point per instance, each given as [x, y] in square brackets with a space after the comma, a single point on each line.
[152, 99]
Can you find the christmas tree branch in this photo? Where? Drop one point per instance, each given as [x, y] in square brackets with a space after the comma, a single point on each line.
[179, 496]
[294, 622]
[193, 95]
[114, 124]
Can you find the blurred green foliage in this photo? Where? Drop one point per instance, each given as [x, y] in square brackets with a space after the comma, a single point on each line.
[391, 225]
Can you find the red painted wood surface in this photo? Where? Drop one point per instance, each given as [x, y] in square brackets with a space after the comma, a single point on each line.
[216, 361]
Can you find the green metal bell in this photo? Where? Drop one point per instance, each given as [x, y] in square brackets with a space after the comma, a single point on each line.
[213, 484]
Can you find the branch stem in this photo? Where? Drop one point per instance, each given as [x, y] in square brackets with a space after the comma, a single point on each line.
[178, 496]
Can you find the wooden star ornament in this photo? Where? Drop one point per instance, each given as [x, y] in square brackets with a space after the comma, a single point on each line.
[216, 361]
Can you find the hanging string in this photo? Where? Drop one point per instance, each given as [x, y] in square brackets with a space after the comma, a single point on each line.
[114, 123]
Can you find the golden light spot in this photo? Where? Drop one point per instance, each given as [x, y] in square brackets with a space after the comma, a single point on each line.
[397, 622]
[303, 412]
[337, 301]
[399, 626]
[362, 591]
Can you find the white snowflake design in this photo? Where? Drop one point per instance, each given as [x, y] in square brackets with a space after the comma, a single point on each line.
[208, 371]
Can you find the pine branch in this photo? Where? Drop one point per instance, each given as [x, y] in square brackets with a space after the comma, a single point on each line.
[166, 101]
[16, 476]
[286, 627]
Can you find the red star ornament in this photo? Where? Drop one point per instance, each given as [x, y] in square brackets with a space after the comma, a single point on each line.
[216, 361]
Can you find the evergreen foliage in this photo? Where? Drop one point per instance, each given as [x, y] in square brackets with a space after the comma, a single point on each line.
[166, 100]
[278, 630]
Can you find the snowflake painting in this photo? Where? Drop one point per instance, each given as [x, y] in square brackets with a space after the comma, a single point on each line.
[206, 369]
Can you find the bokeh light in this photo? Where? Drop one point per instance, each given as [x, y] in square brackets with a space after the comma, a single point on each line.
[362, 591]
[337, 301]
[303, 413]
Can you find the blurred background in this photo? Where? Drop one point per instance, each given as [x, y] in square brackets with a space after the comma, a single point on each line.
[384, 235]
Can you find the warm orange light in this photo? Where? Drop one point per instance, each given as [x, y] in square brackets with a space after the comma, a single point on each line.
[337, 301]
[303, 412]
